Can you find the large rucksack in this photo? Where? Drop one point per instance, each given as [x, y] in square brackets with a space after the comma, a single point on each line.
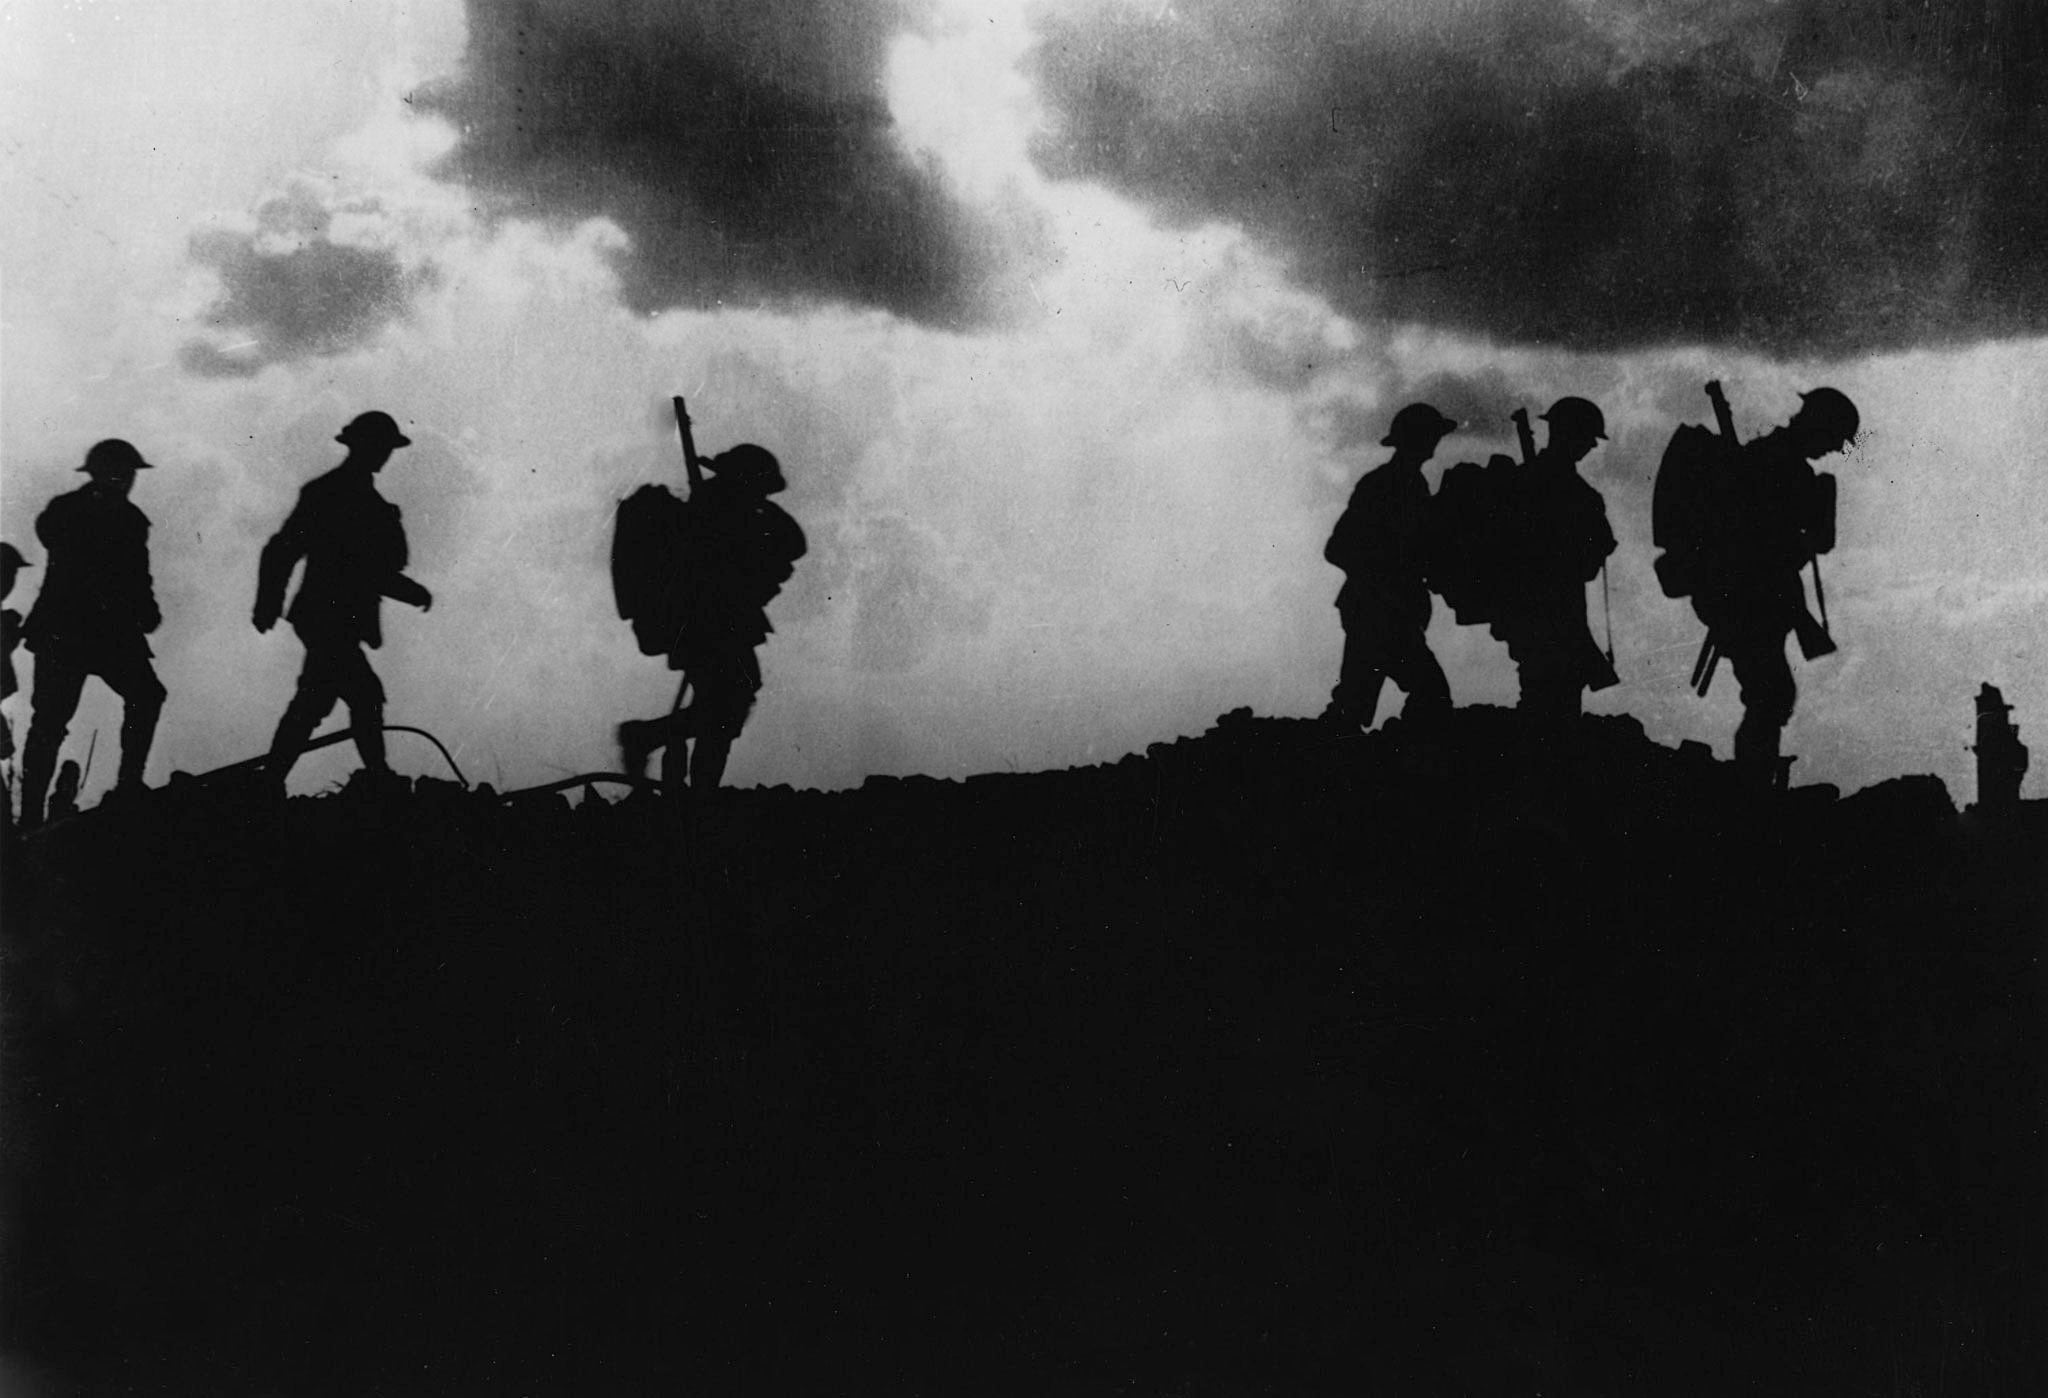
[650, 566]
[1685, 507]
[1474, 540]
[1694, 520]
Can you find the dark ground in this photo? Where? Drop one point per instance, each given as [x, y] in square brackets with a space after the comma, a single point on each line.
[1268, 1062]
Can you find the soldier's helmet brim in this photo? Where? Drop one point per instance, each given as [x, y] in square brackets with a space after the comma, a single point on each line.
[1574, 413]
[372, 429]
[1418, 422]
[113, 457]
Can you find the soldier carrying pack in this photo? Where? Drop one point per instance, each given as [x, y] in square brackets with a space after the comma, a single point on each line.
[1705, 518]
[694, 578]
[1738, 524]
[1513, 545]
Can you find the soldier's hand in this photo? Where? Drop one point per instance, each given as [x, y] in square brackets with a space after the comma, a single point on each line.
[426, 602]
[263, 621]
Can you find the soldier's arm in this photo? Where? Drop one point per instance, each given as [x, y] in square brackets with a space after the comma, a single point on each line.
[396, 585]
[148, 615]
[399, 588]
[274, 567]
[1599, 533]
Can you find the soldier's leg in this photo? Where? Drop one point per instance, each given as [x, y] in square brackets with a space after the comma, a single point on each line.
[1414, 667]
[310, 703]
[55, 700]
[676, 731]
[1768, 697]
[1550, 681]
[363, 692]
[142, 702]
[721, 712]
[1359, 677]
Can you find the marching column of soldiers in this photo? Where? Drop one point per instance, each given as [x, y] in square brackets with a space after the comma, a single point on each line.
[1748, 525]
[1747, 529]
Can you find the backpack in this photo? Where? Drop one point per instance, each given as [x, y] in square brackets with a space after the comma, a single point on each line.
[1473, 539]
[1694, 520]
[1685, 507]
[650, 566]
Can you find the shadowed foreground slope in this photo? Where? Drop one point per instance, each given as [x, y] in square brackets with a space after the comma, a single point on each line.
[1266, 1062]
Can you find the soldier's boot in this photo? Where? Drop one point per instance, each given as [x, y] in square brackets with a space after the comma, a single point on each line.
[1756, 753]
[138, 732]
[707, 763]
[367, 726]
[637, 741]
[294, 731]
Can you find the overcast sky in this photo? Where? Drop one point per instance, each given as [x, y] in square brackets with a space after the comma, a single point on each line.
[1072, 324]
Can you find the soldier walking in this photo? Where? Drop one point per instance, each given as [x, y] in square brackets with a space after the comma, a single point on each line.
[1773, 516]
[741, 547]
[1381, 543]
[352, 541]
[96, 605]
[1562, 540]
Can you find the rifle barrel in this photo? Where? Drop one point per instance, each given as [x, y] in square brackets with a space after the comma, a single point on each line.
[691, 466]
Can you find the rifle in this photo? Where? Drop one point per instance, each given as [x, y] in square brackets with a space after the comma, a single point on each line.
[694, 468]
[691, 464]
[1710, 649]
[1524, 435]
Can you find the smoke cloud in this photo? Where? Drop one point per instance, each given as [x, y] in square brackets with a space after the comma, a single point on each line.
[305, 280]
[1811, 177]
[746, 149]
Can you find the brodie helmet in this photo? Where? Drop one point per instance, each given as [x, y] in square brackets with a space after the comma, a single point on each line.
[1418, 423]
[1829, 410]
[1580, 415]
[747, 464]
[113, 457]
[372, 430]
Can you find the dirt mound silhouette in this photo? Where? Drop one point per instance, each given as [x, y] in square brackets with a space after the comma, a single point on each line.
[1271, 1060]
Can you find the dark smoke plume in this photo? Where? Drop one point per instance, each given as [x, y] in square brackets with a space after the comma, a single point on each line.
[747, 149]
[1806, 176]
[289, 290]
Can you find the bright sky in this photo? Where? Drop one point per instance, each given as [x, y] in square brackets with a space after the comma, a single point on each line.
[1093, 525]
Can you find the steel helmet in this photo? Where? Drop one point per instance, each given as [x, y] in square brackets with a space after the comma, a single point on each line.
[1418, 422]
[113, 457]
[1830, 410]
[747, 464]
[1572, 414]
[372, 429]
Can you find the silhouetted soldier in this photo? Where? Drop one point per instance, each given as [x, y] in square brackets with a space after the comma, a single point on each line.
[1381, 544]
[353, 542]
[741, 548]
[96, 605]
[11, 564]
[1771, 522]
[1562, 542]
